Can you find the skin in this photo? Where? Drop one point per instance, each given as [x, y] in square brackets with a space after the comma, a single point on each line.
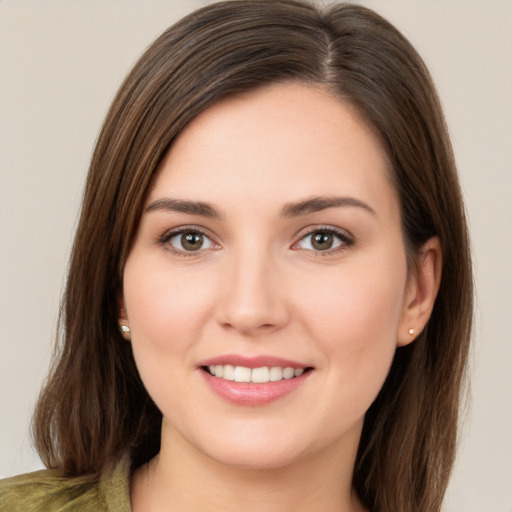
[257, 286]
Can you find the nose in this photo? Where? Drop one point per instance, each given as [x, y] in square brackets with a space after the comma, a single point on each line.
[254, 300]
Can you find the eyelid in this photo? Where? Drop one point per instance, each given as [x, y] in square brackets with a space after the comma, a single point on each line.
[345, 236]
[170, 233]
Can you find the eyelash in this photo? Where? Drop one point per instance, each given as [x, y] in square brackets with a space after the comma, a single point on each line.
[345, 240]
[166, 238]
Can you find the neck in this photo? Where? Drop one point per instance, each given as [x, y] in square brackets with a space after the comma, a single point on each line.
[181, 478]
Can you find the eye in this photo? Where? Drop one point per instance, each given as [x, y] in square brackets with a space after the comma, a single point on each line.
[323, 240]
[189, 240]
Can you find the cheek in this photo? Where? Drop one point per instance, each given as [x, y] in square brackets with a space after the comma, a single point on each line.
[166, 311]
[354, 316]
[354, 321]
[161, 303]
[353, 303]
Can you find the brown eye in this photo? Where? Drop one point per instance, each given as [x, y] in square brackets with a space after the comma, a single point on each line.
[322, 241]
[190, 241]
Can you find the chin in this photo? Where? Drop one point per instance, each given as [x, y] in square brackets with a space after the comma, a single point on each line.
[263, 446]
[256, 457]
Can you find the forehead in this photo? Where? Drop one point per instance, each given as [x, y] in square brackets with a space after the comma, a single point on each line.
[280, 142]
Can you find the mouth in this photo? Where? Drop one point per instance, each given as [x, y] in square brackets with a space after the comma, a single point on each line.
[254, 381]
[259, 375]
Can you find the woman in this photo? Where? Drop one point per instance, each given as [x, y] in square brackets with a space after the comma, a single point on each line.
[269, 295]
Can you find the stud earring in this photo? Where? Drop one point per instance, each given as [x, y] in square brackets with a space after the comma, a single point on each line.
[125, 332]
[412, 332]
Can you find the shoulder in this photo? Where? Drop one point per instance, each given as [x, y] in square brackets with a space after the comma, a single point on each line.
[47, 491]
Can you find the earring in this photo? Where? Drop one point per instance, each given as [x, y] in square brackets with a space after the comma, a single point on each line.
[125, 332]
[412, 332]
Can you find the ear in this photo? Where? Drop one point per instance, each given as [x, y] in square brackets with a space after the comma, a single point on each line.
[122, 318]
[121, 308]
[421, 291]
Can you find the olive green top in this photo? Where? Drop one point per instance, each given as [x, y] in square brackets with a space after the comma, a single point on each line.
[46, 491]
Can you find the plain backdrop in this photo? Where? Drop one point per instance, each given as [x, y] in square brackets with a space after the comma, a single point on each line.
[60, 65]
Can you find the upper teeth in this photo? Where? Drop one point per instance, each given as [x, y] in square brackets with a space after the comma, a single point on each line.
[256, 375]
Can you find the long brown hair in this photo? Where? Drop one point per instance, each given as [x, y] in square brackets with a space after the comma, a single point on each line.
[94, 405]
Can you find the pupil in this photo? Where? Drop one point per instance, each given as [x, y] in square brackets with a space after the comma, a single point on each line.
[322, 241]
[191, 241]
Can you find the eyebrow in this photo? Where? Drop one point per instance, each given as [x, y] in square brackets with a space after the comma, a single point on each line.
[183, 206]
[296, 209]
[317, 204]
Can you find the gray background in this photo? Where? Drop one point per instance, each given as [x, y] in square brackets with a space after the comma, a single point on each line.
[60, 65]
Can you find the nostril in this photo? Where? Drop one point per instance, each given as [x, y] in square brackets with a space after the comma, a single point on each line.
[247, 323]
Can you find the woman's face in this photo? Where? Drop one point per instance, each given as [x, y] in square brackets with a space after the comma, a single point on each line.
[270, 246]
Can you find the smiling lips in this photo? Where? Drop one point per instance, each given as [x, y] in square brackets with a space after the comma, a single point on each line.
[253, 381]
